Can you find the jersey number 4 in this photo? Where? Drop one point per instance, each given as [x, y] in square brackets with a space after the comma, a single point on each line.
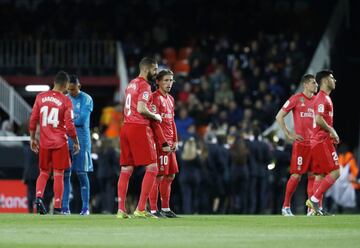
[51, 118]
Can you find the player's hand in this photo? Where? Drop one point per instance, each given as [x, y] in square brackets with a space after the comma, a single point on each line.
[166, 148]
[158, 117]
[293, 137]
[175, 147]
[334, 136]
[76, 148]
[34, 145]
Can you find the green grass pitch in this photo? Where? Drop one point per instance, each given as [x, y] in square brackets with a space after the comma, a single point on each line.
[220, 231]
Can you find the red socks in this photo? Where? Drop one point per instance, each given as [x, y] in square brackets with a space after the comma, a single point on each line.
[58, 187]
[290, 189]
[153, 197]
[146, 186]
[310, 186]
[324, 186]
[165, 190]
[41, 183]
[123, 184]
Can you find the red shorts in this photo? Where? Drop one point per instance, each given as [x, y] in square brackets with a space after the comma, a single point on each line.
[58, 158]
[137, 146]
[300, 158]
[167, 164]
[324, 158]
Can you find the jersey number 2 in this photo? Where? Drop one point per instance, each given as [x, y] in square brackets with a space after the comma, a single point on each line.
[51, 118]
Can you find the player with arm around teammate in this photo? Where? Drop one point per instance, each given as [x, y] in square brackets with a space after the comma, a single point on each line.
[137, 145]
[53, 111]
[301, 106]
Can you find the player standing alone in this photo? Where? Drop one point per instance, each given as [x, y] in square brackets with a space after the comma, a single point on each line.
[324, 157]
[301, 106]
[137, 144]
[163, 104]
[54, 112]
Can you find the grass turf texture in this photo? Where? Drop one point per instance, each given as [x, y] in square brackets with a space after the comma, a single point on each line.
[220, 231]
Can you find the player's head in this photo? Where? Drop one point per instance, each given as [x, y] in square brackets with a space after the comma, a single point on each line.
[61, 80]
[148, 68]
[309, 83]
[326, 80]
[74, 86]
[165, 80]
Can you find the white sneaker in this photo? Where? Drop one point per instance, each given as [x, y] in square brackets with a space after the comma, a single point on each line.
[286, 212]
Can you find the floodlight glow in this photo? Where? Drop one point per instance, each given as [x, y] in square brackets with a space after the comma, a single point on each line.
[37, 88]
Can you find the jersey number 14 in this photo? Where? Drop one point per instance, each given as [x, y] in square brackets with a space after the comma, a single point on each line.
[51, 118]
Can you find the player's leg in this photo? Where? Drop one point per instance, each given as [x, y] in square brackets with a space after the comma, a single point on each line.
[295, 170]
[123, 183]
[45, 165]
[153, 197]
[327, 161]
[165, 191]
[67, 191]
[147, 184]
[58, 189]
[171, 168]
[126, 162]
[61, 161]
[85, 191]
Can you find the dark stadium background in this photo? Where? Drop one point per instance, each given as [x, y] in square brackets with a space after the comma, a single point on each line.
[187, 21]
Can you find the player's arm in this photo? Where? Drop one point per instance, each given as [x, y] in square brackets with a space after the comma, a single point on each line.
[85, 112]
[155, 126]
[175, 137]
[280, 118]
[319, 119]
[34, 120]
[143, 109]
[70, 127]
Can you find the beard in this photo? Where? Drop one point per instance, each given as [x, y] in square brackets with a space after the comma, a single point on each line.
[150, 77]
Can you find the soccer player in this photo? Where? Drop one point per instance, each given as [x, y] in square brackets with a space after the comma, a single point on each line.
[324, 157]
[53, 111]
[301, 106]
[81, 162]
[163, 104]
[137, 144]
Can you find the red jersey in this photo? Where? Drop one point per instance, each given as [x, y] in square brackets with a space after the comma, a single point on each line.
[322, 106]
[137, 90]
[164, 105]
[55, 113]
[303, 114]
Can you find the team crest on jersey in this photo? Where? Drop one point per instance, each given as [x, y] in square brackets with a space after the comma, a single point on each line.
[78, 105]
[321, 108]
[146, 96]
[302, 100]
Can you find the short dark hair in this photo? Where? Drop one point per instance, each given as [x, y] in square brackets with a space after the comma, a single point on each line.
[322, 74]
[307, 77]
[74, 79]
[147, 62]
[163, 73]
[62, 78]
